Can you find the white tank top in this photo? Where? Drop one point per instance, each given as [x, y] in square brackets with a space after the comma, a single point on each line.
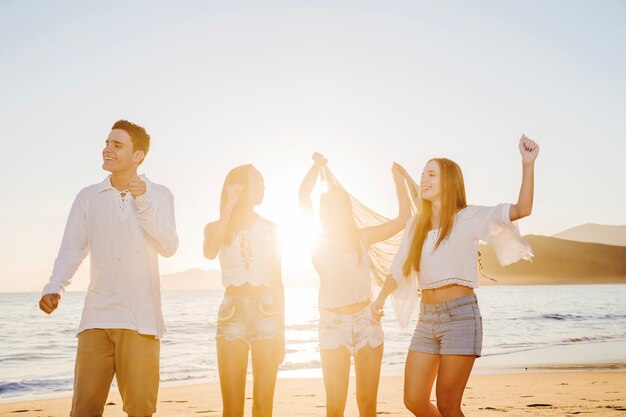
[250, 256]
[343, 281]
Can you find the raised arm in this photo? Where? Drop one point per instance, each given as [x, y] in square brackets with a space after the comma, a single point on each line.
[529, 151]
[373, 234]
[215, 232]
[308, 182]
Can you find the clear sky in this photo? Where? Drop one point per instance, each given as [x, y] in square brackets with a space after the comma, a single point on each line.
[222, 83]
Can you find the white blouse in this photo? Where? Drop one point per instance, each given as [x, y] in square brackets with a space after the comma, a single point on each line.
[454, 261]
[250, 257]
[343, 281]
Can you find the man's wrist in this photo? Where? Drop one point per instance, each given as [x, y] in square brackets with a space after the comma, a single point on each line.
[141, 197]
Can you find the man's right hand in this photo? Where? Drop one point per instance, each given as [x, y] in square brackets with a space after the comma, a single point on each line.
[49, 303]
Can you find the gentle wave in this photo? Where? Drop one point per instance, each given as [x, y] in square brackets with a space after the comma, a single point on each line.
[35, 386]
[585, 339]
[569, 317]
[291, 366]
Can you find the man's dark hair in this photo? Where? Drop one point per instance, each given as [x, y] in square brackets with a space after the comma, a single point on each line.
[138, 135]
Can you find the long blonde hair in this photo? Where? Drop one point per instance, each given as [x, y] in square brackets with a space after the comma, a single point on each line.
[237, 175]
[336, 200]
[452, 200]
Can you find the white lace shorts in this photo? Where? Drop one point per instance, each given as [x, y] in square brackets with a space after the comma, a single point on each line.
[353, 331]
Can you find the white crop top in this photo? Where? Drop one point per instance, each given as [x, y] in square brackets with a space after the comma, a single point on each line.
[343, 281]
[455, 260]
[250, 257]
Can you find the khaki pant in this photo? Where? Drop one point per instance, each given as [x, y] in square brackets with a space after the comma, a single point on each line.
[133, 359]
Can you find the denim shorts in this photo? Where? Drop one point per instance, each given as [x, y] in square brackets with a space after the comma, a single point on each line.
[248, 318]
[353, 331]
[451, 328]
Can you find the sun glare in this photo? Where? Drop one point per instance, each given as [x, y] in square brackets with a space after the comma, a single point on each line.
[298, 234]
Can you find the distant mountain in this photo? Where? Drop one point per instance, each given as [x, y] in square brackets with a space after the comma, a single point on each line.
[559, 261]
[596, 233]
[200, 279]
[192, 279]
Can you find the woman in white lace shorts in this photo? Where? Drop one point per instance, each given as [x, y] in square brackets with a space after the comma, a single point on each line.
[348, 325]
[439, 249]
[250, 319]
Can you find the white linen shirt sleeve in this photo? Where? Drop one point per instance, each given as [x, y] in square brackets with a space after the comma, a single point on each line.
[72, 252]
[155, 209]
[494, 226]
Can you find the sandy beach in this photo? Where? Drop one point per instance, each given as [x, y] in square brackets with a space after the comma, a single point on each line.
[532, 394]
[586, 378]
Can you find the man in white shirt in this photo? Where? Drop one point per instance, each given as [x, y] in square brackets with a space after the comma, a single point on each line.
[123, 223]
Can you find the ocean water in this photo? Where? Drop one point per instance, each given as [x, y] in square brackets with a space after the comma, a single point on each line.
[37, 351]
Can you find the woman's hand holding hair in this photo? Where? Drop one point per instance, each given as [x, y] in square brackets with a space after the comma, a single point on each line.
[215, 232]
[233, 192]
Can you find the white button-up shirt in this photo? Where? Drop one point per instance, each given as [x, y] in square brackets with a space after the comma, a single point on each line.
[122, 236]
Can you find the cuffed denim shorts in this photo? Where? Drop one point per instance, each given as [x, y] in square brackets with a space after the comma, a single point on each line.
[451, 328]
[248, 318]
[353, 331]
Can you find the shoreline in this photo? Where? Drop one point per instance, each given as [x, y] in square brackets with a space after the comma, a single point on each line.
[584, 358]
[540, 394]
